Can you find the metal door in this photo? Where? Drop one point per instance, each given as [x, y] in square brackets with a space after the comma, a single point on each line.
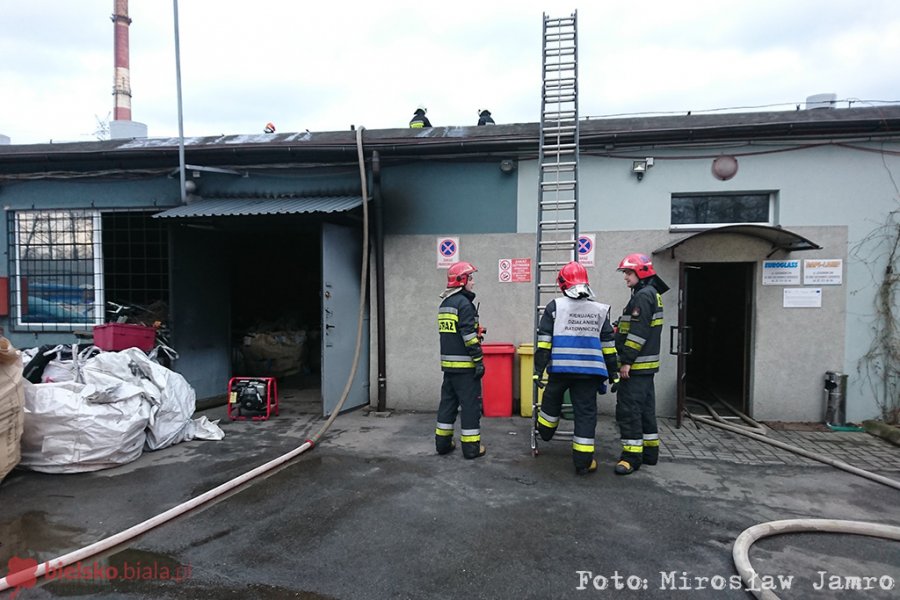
[341, 264]
[680, 340]
[201, 319]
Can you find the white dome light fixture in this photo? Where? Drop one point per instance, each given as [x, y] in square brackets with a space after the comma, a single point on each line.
[724, 167]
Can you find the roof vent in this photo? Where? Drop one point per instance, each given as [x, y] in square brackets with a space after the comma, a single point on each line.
[821, 101]
[4, 140]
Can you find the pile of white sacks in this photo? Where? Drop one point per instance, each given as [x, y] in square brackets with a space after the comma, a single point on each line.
[104, 411]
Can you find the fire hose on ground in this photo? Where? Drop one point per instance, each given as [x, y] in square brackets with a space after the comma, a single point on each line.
[741, 549]
[30, 574]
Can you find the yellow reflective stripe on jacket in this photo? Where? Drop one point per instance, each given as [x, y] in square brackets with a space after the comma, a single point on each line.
[657, 319]
[417, 125]
[447, 321]
[646, 362]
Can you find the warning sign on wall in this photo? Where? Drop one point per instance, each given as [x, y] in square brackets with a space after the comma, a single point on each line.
[447, 251]
[514, 270]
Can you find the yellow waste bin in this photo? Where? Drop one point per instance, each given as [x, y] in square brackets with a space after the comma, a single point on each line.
[526, 384]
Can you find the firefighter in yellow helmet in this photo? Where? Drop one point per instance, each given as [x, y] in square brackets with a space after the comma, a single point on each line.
[638, 344]
[576, 344]
[462, 363]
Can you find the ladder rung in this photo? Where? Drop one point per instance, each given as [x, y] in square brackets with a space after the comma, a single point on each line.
[558, 147]
[559, 167]
[560, 115]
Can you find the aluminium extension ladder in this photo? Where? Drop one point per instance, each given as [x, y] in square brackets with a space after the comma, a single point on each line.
[557, 217]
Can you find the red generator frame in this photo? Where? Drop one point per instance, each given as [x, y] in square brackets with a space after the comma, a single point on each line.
[234, 407]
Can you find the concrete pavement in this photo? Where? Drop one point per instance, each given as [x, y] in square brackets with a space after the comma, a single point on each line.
[372, 512]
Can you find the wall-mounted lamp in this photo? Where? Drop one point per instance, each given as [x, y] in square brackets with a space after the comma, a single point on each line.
[507, 166]
[639, 167]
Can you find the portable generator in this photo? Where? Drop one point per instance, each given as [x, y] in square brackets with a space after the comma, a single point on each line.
[252, 398]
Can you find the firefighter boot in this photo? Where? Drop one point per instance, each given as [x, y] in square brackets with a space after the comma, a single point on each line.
[588, 469]
[444, 444]
[629, 462]
[473, 450]
[651, 452]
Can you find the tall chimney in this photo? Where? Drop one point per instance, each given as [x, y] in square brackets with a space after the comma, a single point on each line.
[122, 75]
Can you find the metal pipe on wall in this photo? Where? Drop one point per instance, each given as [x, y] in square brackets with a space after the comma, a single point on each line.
[181, 175]
[379, 278]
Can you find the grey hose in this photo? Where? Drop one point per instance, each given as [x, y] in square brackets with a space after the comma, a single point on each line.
[811, 455]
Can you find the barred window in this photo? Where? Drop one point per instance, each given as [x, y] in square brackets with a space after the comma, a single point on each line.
[697, 211]
[65, 265]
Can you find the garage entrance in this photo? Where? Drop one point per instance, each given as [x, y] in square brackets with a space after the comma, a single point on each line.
[715, 325]
[272, 295]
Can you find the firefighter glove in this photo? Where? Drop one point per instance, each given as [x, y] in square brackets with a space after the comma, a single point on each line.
[537, 380]
[615, 385]
[479, 370]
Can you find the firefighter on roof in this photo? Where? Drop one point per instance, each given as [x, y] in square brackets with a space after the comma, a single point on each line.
[462, 364]
[576, 343]
[484, 117]
[638, 344]
[419, 119]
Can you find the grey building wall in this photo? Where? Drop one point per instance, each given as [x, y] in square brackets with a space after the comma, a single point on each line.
[850, 186]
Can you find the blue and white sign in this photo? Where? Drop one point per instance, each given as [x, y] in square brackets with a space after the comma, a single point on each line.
[447, 251]
[586, 249]
[781, 272]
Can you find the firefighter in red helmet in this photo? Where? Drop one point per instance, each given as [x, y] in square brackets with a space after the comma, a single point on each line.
[576, 344]
[462, 364]
[638, 340]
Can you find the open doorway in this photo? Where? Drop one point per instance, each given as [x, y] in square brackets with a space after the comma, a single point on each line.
[717, 301]
[276, 306]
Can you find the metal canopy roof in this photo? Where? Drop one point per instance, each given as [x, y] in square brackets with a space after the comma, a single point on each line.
[781, 239]
[241, 207]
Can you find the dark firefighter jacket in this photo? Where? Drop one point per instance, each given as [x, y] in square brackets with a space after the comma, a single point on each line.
[419, 120]
[458, 326]
[640, 329]
[576, 338]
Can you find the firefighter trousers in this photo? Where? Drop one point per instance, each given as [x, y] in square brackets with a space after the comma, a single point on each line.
[460, 393]
[583, 392]
[636, 417]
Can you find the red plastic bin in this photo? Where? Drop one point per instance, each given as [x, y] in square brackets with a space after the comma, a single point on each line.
[497, 385]
[119, 336]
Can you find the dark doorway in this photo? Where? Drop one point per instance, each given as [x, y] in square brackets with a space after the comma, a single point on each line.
[717, 311]
[275, 275]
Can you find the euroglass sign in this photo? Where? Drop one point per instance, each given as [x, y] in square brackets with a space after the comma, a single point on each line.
[781, 272]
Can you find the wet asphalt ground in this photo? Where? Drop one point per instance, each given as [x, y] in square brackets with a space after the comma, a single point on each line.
[373, 513]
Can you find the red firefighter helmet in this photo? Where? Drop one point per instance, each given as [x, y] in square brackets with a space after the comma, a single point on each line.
[572, 274]
[458, 274]
[639, 263]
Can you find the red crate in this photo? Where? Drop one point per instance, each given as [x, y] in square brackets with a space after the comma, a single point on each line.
[119, 336]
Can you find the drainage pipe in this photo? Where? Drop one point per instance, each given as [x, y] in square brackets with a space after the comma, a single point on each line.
[30, 574]
[741, 549]
[378, 206]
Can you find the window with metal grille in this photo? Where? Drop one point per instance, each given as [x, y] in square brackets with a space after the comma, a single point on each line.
[69, 267]
[700, 211]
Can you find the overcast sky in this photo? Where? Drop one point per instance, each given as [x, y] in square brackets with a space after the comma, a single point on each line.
[326, 65]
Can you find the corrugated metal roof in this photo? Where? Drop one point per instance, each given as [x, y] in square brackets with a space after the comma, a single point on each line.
[231, 207]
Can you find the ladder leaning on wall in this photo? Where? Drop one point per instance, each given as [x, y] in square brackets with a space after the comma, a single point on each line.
[557, 217]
